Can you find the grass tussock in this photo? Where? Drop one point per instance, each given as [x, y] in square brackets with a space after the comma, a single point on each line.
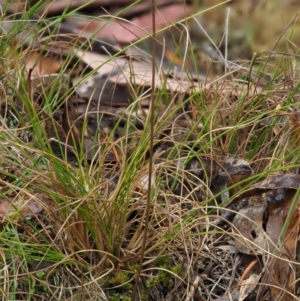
[87, 242]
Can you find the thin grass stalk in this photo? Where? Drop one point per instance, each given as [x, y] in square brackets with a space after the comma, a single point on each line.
[152, 111]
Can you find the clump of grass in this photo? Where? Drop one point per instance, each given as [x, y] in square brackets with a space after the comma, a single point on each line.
[87, 242]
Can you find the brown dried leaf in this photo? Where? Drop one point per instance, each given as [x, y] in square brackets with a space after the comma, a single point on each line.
[58, 6]
[277, 217]
[251, 236]
[21, 206]
[122, 31]
[275, 185]
[275, 194]
[128, 72]
[280, 274]
[41, 65]
[248, 285]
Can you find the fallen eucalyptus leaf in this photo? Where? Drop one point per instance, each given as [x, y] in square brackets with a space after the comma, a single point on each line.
[20, 206]
[251, 237]
[248, 285]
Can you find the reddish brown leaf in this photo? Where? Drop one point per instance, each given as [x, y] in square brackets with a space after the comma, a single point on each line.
[277, 217]
[121, 31]
[275, 194]
[280, 274]
[251, 236]
[41, 65]
[20, 206]
[58, 6]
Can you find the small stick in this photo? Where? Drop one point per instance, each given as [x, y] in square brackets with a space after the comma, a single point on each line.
[247, 271]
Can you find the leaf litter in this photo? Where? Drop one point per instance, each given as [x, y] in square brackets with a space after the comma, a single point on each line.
[101, 110]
